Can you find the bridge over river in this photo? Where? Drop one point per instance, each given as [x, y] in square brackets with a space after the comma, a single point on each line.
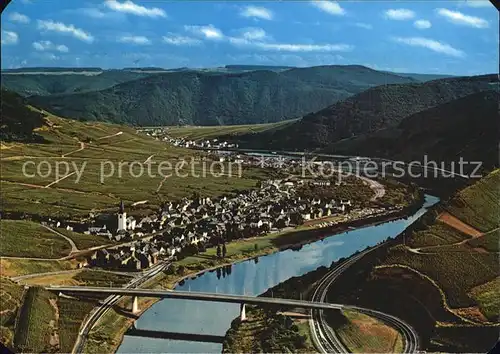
[199, 296]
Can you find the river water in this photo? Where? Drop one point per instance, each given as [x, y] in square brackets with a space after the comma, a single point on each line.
[248, 278]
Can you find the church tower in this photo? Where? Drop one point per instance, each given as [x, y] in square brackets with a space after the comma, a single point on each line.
[122, 218]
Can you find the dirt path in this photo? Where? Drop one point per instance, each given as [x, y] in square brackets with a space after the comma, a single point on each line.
[82, 146]
[42, 187]
[109, 136]
[60, 179]
[478, 249]
[377, 188]
[73, 245]
[148, 159]
[458, 224]
[161, 184]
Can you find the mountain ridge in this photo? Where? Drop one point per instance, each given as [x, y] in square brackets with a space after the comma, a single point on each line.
[374, 109]
[214, 98]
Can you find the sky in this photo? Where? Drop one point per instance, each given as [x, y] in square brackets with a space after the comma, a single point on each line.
[449, 37]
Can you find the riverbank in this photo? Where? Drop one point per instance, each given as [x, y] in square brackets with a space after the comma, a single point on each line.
[108, 335]
[290, 332]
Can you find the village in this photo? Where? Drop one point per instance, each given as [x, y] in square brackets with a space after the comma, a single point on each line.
[191, 225]
[214, 144]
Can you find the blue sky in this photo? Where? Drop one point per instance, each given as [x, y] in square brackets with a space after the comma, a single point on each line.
[454, 37]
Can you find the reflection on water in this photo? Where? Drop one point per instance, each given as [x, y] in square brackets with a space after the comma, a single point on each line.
[251, 278]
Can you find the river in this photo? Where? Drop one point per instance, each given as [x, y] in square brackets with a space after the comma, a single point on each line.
[249, 278]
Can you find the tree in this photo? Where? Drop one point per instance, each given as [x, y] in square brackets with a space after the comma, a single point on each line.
[218, 251]
[224, 250]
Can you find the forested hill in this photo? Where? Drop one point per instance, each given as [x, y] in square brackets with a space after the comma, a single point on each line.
[374, 109]
[214, 98]
[18, 121]
[466, 127]
[59, 81]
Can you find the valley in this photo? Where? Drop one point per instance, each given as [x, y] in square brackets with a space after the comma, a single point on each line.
[85, 203]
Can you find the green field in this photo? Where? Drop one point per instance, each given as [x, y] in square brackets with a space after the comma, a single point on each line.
[456, 272]
[488, 297]
[37, 322]
[489, 242]
[98, 278]
[29, 239]
[437, 235]
[209, 132]
[478, 204]
[364, 334]
[109, 150]
[84, 241]
[12, 296]
[72, 313]
[23, 266]
[459, 267]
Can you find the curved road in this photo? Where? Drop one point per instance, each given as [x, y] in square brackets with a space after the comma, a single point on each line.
[325, 338]
[98, 312]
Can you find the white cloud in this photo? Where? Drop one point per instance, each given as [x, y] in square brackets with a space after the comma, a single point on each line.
[477, 3]
[9, 38]
[175, 39]
[66, 29]
[331, 7]
[285, 47]
[363, 25]
[17, 17]
[134, 9]
[431, 44]
[62, 48]
[207, 32]
[399, 14]
[48, 46]
[257, 38]
[289, 47]
[257, 12]
[254, 34]
[462, 19]
[141, 40]
[422, 24]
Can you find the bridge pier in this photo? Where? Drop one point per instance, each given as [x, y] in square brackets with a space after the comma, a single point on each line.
[243, 315]
[135, 305]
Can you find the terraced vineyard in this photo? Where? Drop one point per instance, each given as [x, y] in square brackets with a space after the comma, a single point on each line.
[92, 151]
[37, 322]
[440, 279]
[208, 132]
[28, 239]
[478, 205]
[11, 295]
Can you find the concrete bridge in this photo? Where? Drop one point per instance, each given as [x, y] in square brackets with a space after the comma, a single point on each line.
[186, 295]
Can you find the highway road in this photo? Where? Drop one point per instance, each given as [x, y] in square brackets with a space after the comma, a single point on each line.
[98, 312]
[194, 295]
[324, 337]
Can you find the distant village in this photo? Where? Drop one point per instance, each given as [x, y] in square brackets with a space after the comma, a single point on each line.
[214, 144]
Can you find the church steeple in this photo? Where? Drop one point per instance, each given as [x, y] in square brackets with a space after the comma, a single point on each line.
[122, 207]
